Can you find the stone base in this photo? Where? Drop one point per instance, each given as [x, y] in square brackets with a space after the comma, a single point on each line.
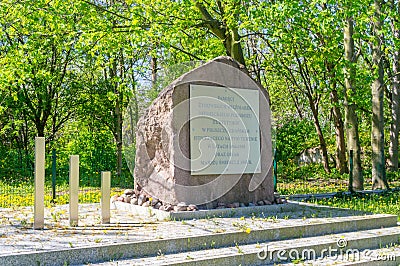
[268, 210]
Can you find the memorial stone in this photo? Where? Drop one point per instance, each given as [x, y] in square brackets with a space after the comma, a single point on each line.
[206, 139]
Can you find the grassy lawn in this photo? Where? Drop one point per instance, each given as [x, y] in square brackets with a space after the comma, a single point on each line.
[311, 186]
[22, 194]
[315, 186]
[388, 202]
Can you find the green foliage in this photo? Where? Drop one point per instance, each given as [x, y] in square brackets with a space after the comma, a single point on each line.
[293, 137]
[16, 167]
[289, 170]
[70, 68]
[96, 150]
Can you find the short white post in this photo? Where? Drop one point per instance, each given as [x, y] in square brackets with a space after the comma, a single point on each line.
[73, 189]
[105, 197]
[38, 209]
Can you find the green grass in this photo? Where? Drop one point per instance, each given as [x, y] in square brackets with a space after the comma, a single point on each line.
[375, 203]
[22, 194]
[315, 186]
[311, 186]
[388, 202]
[312, 178]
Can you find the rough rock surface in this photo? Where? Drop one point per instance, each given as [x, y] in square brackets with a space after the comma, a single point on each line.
[162, 167]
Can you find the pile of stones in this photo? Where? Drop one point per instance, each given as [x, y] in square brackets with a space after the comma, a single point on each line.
[140, 198]
[277, 200]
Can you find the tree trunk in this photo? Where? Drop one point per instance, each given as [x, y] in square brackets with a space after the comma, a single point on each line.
[118, 139]
[235, 49]
[118, 117]
[356, 181]
[133, 113]
[229, 36]
[40, 129]
[154, 70]
[377, 128]
[395, 125]
[322, 143]
[339, 132]
[340, 157]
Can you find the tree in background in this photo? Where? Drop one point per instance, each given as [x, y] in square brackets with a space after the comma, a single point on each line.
[395, 99]
[74, 65]
[356, 181]
[378, 86]
[38, 68]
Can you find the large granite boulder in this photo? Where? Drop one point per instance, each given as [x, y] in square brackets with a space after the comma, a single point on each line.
[164, 167]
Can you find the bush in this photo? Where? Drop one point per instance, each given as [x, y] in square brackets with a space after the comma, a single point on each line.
[293, 137]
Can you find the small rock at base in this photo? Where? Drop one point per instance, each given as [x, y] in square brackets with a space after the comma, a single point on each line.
[236, 205]
[260, 203]
[182, 204]
[157, 206]
[192, 207]
[154, 201]
[251, 204]
[233, 205]
[180, 208]
[267, 202]
[129, 192]
[277, 200]
[134, 201]
[141, 199]
[169, 208]
[114, 198]
[146, 204]
[127, 199]
[242, 204]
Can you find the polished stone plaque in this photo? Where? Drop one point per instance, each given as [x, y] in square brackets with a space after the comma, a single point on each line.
[224, 130]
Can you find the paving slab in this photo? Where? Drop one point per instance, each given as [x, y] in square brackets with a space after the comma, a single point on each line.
[18, 237]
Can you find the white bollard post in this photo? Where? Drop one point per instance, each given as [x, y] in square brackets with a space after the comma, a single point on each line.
[38, 209]
[73, 189]
[105, 197]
